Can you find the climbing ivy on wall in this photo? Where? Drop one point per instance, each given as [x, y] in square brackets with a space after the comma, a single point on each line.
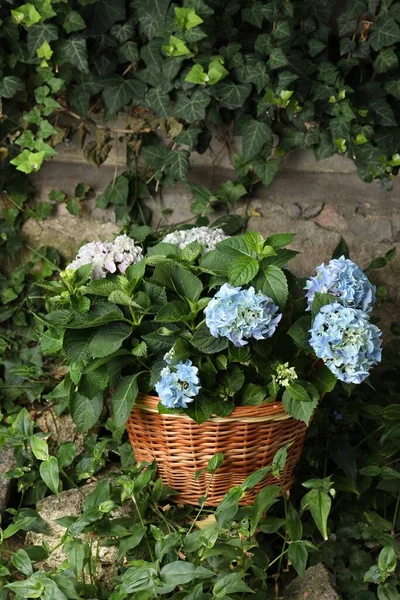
[282, 74]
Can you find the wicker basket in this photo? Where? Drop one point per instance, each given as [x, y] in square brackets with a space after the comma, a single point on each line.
[249, 438]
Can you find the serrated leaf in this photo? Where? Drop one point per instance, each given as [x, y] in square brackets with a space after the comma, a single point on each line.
[123, 399]
[274, 285]
[300, 332]
[205, 342]
[108, 339]
[255, 135]
[242, 270]
[86, 411]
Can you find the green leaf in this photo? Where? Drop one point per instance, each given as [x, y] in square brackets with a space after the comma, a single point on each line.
[86, 411]
[255, 135]
[99, 314]
[74, 50]
[179, 279]
[303, 411]
[159, 101]
[324, 380]
[117, 193]
[264, 500]
[387, 559]
[28, 161]
[383, 112]
[388, 591]
[277, 59]
[129, 52]
[191, 108]
[119, 92]
[38, 34]
[123, 399]
[300, 332]
[181, 572]
[173, 312]
[22, 562]
[229, 584]
[205, 342]
[298, 556]
[319, 504]
[73, 22]
[65, 454]
[242, 270]
[215, 462]
[49, 473]
[39, 447]
[298, 392]
[320, 300]
[274, 285]
[294, 526]
[393, 87]
[10, 85]
[105, 13]
[384, 32]
[176, 47]
[29, 588]
[386, 61]
[187, 18]
[108, 339]
[76, 345]
[266, 169]
[232, 95]
[75, 551]
[178, 164]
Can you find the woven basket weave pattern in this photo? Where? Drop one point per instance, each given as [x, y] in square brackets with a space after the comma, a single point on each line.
[249, 439]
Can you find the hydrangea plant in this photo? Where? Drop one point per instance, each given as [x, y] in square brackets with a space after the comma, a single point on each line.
[206, 322]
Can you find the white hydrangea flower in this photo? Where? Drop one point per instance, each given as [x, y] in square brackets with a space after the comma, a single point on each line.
[107, 257]
[206, 236]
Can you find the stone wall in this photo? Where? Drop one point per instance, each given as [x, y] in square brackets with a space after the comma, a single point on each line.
[319, 201]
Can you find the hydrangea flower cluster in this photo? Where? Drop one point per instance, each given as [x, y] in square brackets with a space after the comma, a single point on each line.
[346, 341]
[285, 375]
[108, 257]
[241, 314]
[179, 384]
[344, 279]
[206, 236]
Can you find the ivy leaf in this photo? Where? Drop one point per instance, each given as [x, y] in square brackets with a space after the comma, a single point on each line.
[28, 161]
[384, 32]
[386, 61]
[117, 193]
[384, 113]
[123, 399]
[159, 101]
[232, 95]
[393, 87]
[74, 50]
[255, 135]
[128, 52]
[277, 59]
[86, 411]
[266, 169]
[254, 14]
[152, 15]
[38, 34]
[73, 22]
[119, 92]
[178, 164]
[10, 85]
[105, 13]
[191, 108]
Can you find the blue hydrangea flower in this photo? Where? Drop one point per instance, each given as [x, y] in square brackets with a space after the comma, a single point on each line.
[344, 279]
[178, 385]
[241, 314]
[346, 341]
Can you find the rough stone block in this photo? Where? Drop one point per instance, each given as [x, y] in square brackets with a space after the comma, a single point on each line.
[317, 584]
[7, 462]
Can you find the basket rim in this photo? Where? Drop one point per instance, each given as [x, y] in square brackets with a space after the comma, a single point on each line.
[267, 411]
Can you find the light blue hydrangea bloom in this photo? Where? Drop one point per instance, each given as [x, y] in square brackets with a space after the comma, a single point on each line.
[241, 314]
[346, 341]
[178, 385]
[344, 279]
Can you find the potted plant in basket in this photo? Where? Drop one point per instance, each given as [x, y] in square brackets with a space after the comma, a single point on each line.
[206, 343]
